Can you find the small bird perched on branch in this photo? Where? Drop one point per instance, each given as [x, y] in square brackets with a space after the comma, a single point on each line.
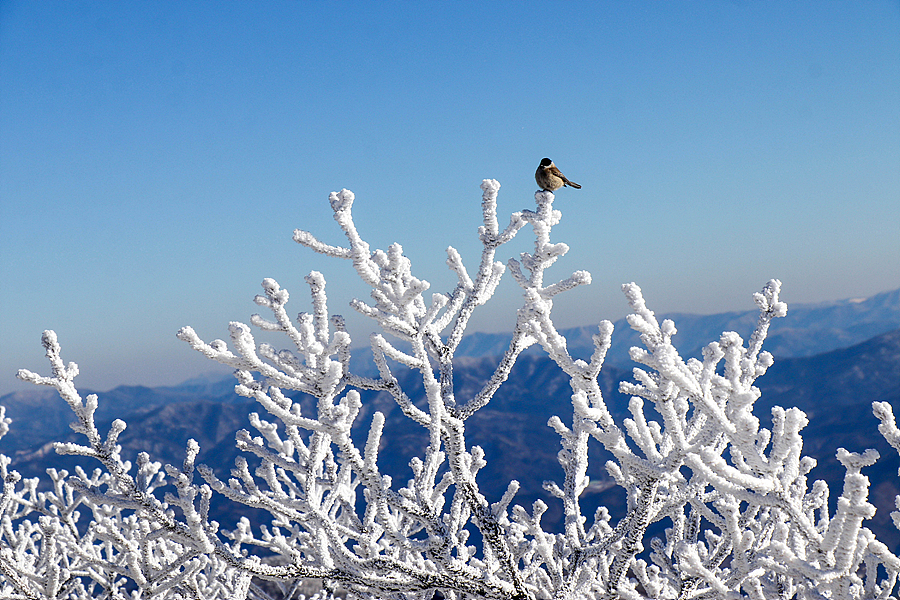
[549, 178]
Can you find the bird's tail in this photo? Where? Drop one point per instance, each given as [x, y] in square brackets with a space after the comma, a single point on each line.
[573, 184]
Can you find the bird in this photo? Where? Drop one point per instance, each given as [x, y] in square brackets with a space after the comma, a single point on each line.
[550, 179]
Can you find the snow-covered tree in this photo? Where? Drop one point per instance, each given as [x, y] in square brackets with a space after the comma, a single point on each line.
[742, 519]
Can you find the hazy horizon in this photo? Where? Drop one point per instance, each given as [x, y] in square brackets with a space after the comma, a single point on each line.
[209, 370]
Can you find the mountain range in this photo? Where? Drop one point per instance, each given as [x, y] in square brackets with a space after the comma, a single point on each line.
[808, 329]
[833, 381]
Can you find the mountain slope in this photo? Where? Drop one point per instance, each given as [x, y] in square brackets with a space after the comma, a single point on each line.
[835, 389]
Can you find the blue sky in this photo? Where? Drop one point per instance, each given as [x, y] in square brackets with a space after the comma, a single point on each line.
[155, 157]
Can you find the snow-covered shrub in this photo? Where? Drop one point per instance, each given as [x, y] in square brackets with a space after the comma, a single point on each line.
[743, 520]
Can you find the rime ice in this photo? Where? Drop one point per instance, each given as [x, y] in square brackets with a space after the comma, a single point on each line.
[744, 520]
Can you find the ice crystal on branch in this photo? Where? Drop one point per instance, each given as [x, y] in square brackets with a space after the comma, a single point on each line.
[742, 520]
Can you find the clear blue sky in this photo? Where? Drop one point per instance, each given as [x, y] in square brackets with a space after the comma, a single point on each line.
[155, 157]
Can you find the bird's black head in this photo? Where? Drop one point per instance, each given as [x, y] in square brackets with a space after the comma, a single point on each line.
[546, 162]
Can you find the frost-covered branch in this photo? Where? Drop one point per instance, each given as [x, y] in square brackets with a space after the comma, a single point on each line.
[127, 537]
[742, 520]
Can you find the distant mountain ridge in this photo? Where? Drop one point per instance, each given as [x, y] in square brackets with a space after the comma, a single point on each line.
[808, 329]
[835, 387]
